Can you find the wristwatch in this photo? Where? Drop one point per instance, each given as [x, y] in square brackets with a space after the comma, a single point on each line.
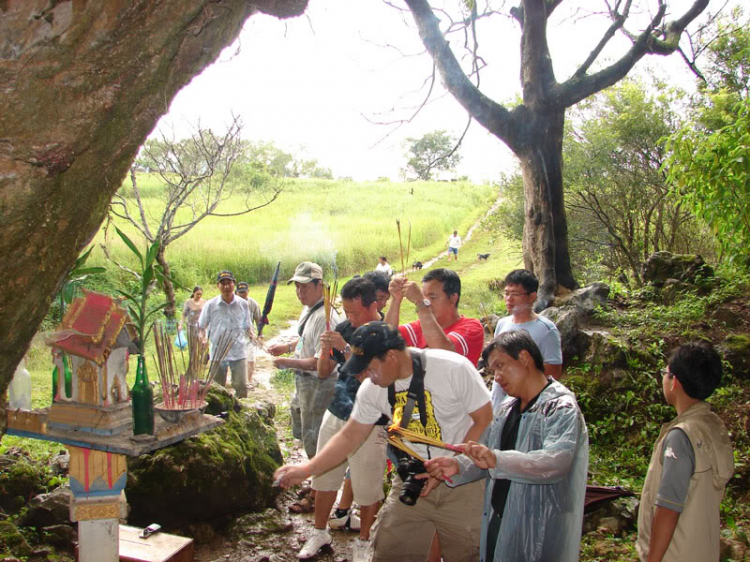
[421, 304]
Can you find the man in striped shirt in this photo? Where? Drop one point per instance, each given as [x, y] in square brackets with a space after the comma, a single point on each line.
[440, 326]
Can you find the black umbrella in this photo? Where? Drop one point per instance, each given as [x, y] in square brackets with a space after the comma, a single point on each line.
[269, 300]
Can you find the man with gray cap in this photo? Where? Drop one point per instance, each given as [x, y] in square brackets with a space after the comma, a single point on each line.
[312, 395]
[228, 314]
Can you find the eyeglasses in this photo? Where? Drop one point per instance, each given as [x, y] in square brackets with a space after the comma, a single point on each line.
[513, 295]
[665, 371]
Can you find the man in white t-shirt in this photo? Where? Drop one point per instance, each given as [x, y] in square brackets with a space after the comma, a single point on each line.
[454, 243]
[520, 293]
[453, 406]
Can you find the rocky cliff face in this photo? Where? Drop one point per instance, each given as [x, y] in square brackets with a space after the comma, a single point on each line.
[82, 84]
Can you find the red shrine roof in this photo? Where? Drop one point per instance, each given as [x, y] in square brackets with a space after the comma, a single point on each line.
[90, 327]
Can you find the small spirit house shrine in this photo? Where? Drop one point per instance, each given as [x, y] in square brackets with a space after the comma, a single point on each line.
[97, 338]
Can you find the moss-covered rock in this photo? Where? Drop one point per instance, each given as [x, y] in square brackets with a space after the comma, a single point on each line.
[12, 539]
[736, 351]
[218, 473]
[20, 479]
[661, 266]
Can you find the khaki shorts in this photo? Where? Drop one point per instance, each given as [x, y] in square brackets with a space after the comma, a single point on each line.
[366, 463]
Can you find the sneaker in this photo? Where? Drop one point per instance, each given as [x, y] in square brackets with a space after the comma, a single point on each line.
[362, 550]
[318, 539]
[348, 522]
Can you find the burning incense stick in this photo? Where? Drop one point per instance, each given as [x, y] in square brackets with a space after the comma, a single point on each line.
[401, 245]
[408, 244]
[418, 438]
[329, 296]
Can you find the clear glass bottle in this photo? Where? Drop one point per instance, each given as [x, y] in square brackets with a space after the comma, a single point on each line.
[142, 397]
[19, 391]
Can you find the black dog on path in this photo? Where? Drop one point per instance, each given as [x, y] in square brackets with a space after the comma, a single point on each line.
[417, 265]
[481, 257]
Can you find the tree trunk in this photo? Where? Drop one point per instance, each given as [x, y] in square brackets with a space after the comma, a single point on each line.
[84, 83]
[545, 232]
[170, 309]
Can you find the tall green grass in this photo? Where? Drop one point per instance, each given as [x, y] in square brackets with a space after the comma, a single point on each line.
[334, 223]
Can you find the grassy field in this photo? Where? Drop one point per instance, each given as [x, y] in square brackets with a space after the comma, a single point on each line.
[324, 221]
[334, 223]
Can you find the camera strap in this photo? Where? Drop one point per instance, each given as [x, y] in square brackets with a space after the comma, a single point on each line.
[301, 327]
[415, 392]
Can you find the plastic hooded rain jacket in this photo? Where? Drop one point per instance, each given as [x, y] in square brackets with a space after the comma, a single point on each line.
[548, 469]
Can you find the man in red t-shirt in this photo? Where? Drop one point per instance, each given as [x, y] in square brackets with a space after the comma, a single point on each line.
[440, 325]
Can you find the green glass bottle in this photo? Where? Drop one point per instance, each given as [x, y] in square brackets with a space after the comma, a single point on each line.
[68, 376]
[55, 378]
[142, 396]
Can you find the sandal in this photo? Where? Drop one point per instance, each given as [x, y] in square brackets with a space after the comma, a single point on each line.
[305, 505]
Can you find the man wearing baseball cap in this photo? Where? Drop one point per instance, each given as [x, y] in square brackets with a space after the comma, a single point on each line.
[312, 395]
[255, 313]
[436, 393]
[228, 314]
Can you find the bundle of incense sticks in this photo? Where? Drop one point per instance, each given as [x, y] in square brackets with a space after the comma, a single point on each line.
[329, 296]
[418, 438]
[401, 246]
[399, 444]
[188, 390]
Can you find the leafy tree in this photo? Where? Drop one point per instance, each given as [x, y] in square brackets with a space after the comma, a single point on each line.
[199, 175]
[534, 129]
[618, 199]
[712, 173]
[432, 152]
[727, 74]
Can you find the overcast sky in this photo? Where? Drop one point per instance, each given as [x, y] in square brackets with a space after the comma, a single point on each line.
[311, 84]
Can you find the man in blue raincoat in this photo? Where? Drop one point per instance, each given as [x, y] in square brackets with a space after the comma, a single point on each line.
[535, 461]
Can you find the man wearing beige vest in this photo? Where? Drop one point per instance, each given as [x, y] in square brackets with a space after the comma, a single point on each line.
[691, 464]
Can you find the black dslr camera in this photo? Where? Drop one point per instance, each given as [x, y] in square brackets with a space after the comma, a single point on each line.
[407, 469]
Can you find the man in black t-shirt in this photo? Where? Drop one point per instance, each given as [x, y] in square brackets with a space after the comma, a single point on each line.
[367, 463]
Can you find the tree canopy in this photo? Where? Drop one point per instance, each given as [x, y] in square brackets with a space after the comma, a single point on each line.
[435, 151]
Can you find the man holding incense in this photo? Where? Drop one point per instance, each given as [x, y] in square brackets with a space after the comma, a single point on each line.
[437, 395]
[228, 314]
[312, 394]
[367, 462]
[534, 461]
[439, 326]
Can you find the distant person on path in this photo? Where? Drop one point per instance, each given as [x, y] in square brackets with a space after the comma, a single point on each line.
[228, 313]
[381, 282]
[312, 395]
[534, 461]
[519, 294]
[454, 243]
[678, 520]
[384, 266]
[191, 312]
[255, 313]
[367, 463]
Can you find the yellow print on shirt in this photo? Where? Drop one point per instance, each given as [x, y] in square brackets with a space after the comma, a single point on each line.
[432, 429]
